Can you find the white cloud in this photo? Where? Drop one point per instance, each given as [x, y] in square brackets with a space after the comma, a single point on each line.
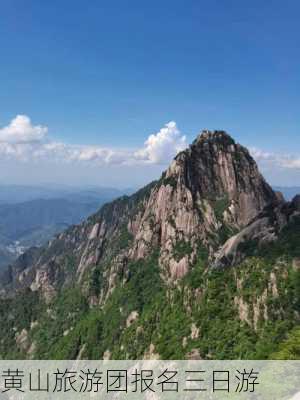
[260, 155]
[292, 164]
[23, 141]
[99, 154]
[162, 146]
[20, 130]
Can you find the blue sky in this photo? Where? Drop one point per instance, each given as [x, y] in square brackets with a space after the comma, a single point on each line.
[107, 74]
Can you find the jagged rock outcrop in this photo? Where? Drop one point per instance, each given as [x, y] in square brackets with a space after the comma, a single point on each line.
[210, 210]
[295, 205]
[211, 196]
[213, 186]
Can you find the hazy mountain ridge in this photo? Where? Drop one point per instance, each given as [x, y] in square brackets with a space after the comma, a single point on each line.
[289, 192]
[13, 194]
[37, 220]
[145, 276]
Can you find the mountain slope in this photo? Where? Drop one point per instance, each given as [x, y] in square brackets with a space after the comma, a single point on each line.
[145, 276]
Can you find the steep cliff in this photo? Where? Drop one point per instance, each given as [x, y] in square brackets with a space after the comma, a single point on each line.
[145, 276]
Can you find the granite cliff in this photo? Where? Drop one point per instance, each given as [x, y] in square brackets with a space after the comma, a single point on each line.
[194, 243]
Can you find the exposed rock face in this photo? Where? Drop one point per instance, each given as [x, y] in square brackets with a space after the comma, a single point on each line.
[212, 196]
[132, 318]
[150, 268]
[261, 230]
[194, 332]
[215, 166]
[296, 203]
[22, 339]
[296, 264]
[151, 354]
[214, 183]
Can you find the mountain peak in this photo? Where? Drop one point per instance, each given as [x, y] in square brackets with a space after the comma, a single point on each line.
[105, 281]
[210, 191]
[216, 167]
[216, 136]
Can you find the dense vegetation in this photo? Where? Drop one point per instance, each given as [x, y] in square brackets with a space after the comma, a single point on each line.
[206, 299]
[250, 311]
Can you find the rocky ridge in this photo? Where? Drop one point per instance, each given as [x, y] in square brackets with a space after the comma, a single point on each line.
[211, 205]
[212, 196]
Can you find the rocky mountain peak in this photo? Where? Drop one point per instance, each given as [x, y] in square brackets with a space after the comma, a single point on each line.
[101, 288]
[211, 191]
[216, 136]
[216, 167]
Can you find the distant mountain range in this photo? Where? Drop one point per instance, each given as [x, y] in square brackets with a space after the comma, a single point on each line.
[30, 216]
[12, 194]
[288, 192]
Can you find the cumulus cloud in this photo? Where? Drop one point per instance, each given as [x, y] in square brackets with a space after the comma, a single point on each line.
[21, 130]
[163, 145]
[23, 141]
